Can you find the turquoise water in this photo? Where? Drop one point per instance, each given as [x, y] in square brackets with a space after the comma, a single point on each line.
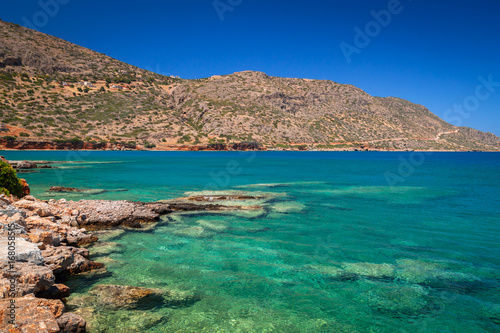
[333, 249]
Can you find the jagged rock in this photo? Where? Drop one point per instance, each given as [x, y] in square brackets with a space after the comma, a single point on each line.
[24, 251]
[26, 187]
[210, 198]
[29, 279]
[65, 189]
[33, 315]
[71, 323]
[26, 165]
[69, 259]
[45, 237]
[57, 291]
[82, 264]
[39, 208]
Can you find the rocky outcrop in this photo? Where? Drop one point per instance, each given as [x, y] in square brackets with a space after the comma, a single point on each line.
[26, 187]
[35, 315]
[50, 145]
[28, 269]
[62, 189]
[128, 297]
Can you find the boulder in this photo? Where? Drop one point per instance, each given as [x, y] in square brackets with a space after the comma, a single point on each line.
[32, 315]
[64, 189]
[29, 279]
[57, 291]
[127, 297]
[71, 323]
[26, 188]
[24, 251]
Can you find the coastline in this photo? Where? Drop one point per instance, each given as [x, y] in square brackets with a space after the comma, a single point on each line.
[49, 238]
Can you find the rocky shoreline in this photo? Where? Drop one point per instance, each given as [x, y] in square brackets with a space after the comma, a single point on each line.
[46, 240]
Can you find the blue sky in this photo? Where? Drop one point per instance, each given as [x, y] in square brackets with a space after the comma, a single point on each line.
[429, 52]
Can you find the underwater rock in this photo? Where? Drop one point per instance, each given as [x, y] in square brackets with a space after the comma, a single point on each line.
[397, 299]
[222, 197]
[193, 232]
[213, 226]
[127, 297]
[370, 270]
[71, 323]
[432, 274]
[65, 189]
[288, 207]
[116, 297]
[334, 273]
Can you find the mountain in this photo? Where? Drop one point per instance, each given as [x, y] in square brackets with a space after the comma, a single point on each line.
[55, 91]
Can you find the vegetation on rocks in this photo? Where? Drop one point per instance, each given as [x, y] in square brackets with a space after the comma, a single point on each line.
[9, 182]
[51, 89]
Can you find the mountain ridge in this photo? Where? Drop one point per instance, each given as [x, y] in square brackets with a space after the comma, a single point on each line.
[54, 90]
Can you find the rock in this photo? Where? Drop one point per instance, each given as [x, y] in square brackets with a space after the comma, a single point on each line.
[10, 211]
[26, 165]
[29, 198]
[24, 251]
[26, 188]
[213, 226]
[57, 291]
[33, 315]
[334, 273]
[82, 264]
[40, 208]
[194, 232]
[71, 323]
[431, 274]
[45, 237]
[369, 270]
[127, 297]
[69, 259]
[211, 198]
[30, 279]
[397, 299]
[288, 207]
[65, 189]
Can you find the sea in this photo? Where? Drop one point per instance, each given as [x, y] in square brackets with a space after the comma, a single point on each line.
[339, 241]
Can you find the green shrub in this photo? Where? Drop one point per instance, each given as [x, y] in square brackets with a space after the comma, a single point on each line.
[9, 180]
[10, 138]
[24, 134]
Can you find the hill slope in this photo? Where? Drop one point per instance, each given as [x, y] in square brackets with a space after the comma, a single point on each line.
[54, 90]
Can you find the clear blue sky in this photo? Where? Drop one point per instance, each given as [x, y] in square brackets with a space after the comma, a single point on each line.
[431, 53]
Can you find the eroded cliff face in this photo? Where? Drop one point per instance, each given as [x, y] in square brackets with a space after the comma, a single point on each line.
[48, 145]
[52, 89]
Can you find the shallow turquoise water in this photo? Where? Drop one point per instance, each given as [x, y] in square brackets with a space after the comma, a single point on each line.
[304, 263]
